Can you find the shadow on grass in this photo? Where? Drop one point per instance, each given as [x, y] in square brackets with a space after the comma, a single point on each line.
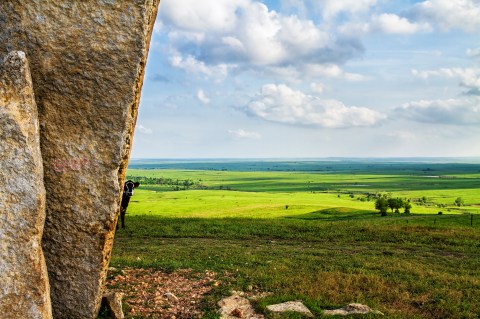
[338, 214]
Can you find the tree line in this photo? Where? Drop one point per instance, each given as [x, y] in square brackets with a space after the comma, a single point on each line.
[175, 183]
[385, 201]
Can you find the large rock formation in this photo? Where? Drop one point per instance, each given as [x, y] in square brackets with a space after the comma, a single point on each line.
[87, 60]
[24, 289]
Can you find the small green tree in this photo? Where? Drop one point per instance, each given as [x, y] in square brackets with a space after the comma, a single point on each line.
[407, 206]
[395, 203]
[459, 202]
[398, 204]
[391, 203]
[381, 204]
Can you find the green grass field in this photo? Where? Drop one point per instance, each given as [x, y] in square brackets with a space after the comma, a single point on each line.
[313, 235]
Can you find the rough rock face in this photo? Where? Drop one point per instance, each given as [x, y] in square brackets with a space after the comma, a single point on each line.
[113, 302]
[87, 60]
[24, 289]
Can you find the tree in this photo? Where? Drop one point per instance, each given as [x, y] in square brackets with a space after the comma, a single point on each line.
[381, 204]
[407, 206]
[395, 203]
[459, 202]
[399, 203]
[391, 203]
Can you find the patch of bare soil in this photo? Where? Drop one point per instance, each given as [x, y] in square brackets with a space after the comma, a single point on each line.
[155, 294]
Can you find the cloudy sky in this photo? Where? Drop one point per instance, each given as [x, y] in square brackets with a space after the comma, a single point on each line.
[312, 78]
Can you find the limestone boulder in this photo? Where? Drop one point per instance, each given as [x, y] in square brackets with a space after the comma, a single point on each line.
[87, 60]
[24, 288]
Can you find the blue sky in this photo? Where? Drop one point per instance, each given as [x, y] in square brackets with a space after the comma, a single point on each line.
[309, 78]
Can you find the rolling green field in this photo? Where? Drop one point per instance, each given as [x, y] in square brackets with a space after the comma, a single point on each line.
[310, 232]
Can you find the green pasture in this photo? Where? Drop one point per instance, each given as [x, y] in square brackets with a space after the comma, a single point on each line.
[265, 194]
[314, 236]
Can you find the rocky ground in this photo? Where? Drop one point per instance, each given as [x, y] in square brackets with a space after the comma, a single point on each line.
[156, 294]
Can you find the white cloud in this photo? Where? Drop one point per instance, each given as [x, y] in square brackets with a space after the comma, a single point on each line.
[394, 24]
[247, 32]
[330, 71]
[307, 71]
[202, 97]
[280, 103]
[317, 87]
[144, 130]
[469, 77]
[191, 65]
[242, 134]
[460, 111]
[180, 37]
[387, 23]
[234, 43]
[157, 28]
[204, 16]
[450, 14]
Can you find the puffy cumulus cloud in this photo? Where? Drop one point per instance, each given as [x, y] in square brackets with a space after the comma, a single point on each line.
[469, 77]
[202, 97]
[246, 32]
[461, 111]
[242, 134]
[202, 16]
[449, 14]
[394, 24]
[280, 103]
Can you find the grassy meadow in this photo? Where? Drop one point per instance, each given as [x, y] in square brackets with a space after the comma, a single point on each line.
[309, 231]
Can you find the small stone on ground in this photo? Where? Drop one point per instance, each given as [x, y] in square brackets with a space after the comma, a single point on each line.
[350, 309]
[294, 306]
[236, 306]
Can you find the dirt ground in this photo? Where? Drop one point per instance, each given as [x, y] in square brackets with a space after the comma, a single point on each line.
[155, 294]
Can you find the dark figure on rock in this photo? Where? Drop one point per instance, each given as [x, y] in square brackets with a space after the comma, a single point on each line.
[128, 188]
